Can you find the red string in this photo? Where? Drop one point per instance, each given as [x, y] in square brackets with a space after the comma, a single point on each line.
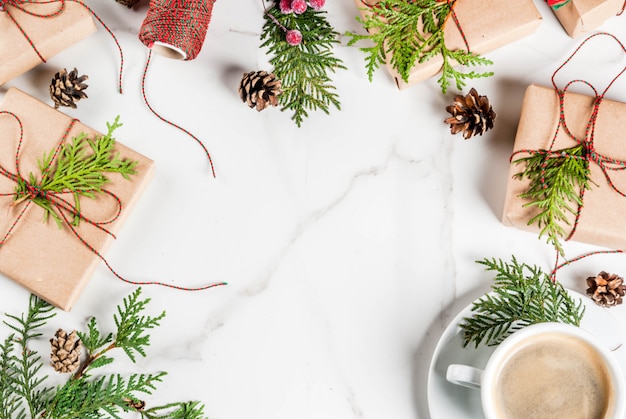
[605, 163]
[180, 23]
[63, 207]
[22, 5]
[145, 99]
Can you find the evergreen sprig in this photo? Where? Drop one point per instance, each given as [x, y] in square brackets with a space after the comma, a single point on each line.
[556, 182]
[304, 69]
[80, 169]
[85, 395]
[412, 32]
[522, 295]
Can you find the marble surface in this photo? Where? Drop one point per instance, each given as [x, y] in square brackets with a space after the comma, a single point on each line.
[348, 244]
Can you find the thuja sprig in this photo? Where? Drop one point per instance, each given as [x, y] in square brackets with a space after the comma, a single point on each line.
[21, 366]
[80, 169]
[301, 45]
[521, 295]
[85, 394]
[556, 182]
[412, 32]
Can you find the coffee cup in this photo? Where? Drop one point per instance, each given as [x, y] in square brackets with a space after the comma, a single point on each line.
[547, 370]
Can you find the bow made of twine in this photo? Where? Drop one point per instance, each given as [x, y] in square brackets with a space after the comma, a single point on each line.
[605, 163]
[28, 193]
[452, 14]
[23, 5]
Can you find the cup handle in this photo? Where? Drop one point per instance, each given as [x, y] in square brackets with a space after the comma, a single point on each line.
[464, 375]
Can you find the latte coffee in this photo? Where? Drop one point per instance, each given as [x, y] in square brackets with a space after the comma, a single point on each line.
[551, 375]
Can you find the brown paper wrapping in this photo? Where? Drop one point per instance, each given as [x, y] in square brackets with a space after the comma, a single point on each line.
[487, 25]
[602, 216]
[49, 261]
[582, 16]
[50, 35]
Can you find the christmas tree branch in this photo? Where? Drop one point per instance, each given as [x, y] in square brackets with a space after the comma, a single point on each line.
[303, 68]
[407, 33]
[80, 169]
[557, 180]
[521, 295]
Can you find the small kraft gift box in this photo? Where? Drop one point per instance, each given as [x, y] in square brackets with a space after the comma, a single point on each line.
[483, 25]
[55, 260]
[601, 215]
[579, 17]
[32, 31]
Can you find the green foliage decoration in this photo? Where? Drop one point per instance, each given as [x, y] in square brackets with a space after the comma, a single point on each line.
[303, 69]
[80, 169]
[556, 182]
[412, 32]
[86, 394]
[521, 295]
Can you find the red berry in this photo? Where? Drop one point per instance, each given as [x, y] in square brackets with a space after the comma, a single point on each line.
[317, 4]
[285, 6]
[294, 37]
[298, 6]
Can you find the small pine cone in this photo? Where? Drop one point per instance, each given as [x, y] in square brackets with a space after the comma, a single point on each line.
[65, 355]
[260, 89]
[67, 88]
[128, 3]
[606, 289]
[471, 114]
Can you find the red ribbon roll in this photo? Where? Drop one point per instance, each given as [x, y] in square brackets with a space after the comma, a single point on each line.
[176, 28]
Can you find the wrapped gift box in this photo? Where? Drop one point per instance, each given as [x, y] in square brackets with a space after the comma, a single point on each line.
[50, 261]
[487, 25]
[582, 16]
[50, 35]
[602, 217]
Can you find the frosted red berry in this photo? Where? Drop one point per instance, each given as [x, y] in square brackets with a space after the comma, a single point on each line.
[285, 6]
[299, 6]
[294, 37]
[317, 4]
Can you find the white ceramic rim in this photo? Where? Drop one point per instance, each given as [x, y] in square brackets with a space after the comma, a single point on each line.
[552, 327]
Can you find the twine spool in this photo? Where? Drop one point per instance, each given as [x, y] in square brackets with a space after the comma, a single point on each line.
[176, 28]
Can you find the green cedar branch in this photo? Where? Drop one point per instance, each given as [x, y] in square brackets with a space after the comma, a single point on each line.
[557, 180]
[521, 295]
[80, 169]
[413, 32]
[304, 69]
[84, 395]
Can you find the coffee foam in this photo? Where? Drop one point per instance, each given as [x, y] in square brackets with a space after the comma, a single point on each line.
[553, 376]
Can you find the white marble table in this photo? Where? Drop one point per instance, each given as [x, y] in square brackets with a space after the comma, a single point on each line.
[348, 244]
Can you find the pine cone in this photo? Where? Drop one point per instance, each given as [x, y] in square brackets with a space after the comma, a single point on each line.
[128, 3]
[66, 89]
[260, 89]
[65, 355]
[471, 114]
[606, 289]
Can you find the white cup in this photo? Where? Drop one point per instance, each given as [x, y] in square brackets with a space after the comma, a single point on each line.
[547, 370]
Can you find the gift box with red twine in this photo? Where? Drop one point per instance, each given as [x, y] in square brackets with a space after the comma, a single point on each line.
[579, 17]
[55, 261]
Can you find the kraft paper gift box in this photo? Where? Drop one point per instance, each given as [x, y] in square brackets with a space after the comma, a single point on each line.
[487, 25]
[50, 261]
[49, 35]
[582, 16]
[602, 220]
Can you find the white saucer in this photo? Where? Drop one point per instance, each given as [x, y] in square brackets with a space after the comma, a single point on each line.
[449, 401]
